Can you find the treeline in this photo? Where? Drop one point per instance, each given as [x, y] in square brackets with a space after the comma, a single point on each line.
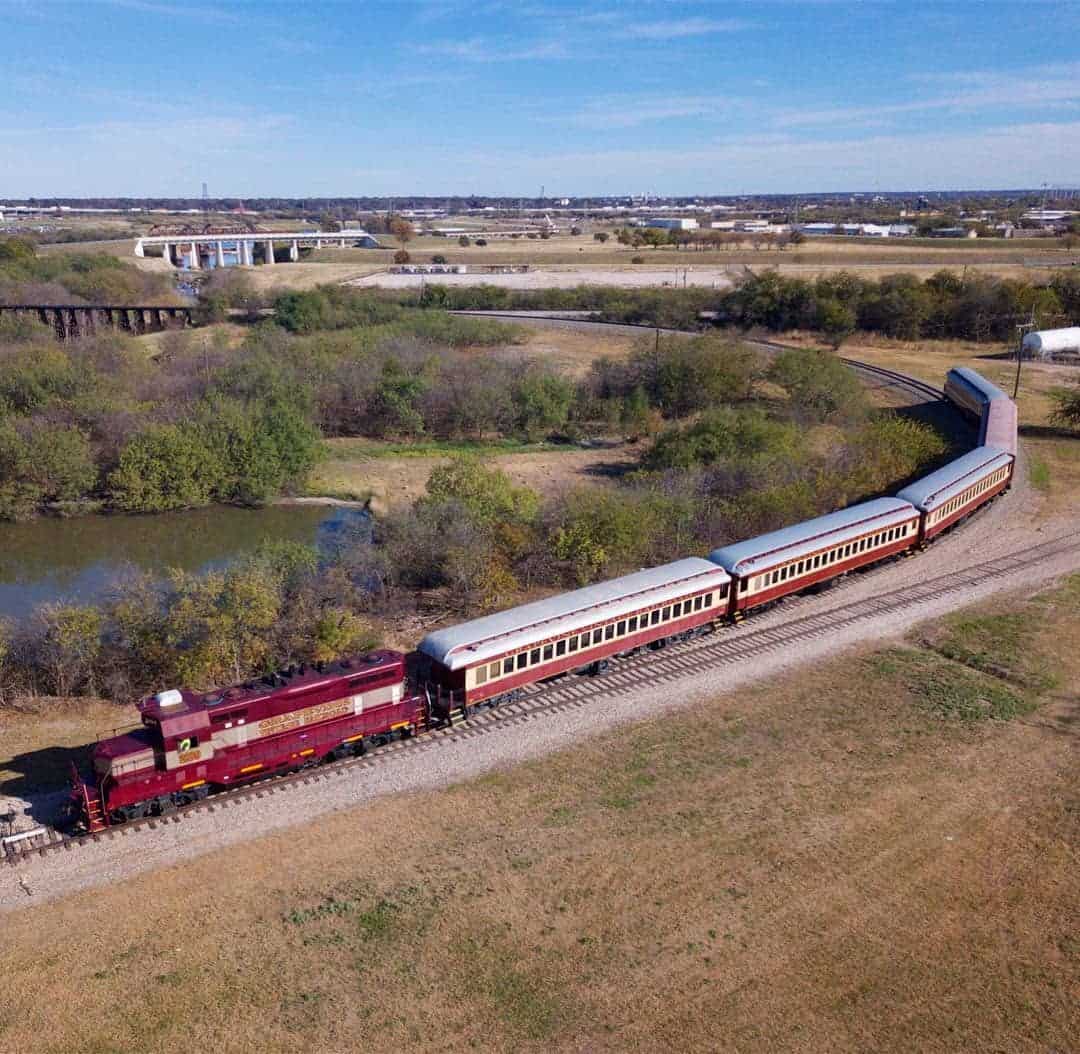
[207, 419]
[945, 305]
[279, 605]
[75, 278]
[803, 440]
[98, 420]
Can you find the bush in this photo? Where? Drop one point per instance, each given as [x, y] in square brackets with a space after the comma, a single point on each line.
[438, 258]
[819, 386]
[165, 467]
[1067, 406]
[402, 257]
[637, 259]
[486, 494]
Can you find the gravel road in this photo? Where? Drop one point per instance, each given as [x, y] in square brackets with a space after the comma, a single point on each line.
[562, 278]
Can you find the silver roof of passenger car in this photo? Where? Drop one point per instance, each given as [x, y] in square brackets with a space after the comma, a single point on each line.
[791, 543]
[977, 381]
[520, 627]
[940, 486]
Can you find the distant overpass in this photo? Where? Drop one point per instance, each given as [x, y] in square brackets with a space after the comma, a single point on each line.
[69, 322]
[202, 247]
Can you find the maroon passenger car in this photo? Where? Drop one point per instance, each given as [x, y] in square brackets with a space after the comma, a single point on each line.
[191, 743]
[491, 657]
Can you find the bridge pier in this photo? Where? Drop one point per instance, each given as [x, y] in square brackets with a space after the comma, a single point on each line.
[166, 254]
[195, 265]
[294, 250]
[269, 251]
[219, 249]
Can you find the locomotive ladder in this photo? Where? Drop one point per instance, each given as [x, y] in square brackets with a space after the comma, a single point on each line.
[96, 820]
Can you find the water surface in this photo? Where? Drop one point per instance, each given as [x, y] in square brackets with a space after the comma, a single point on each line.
[81, 559]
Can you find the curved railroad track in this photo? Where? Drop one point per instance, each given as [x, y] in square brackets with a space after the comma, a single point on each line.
[892, 378]
[677, 661]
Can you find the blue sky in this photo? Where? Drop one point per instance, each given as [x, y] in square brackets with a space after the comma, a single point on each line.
[151, 97]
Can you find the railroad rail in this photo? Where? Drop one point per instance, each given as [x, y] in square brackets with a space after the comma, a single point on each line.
[723, 647]
[893, 378]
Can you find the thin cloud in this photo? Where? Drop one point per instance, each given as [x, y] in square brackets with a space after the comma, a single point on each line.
[1037, 88]
[630, 111]
[676, 29]
[480, 49]
[212, 15]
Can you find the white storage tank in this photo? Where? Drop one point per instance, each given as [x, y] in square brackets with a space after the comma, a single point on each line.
[1044, 343]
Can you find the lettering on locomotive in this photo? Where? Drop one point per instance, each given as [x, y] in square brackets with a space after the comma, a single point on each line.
[271, 726]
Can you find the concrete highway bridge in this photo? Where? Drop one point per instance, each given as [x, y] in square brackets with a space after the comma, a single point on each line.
[197, 250]
[71, 322]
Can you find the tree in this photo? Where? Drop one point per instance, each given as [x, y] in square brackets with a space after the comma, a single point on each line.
[836, 320]
[402, 230]
[819, 386]
[165, 467]
[601, 237]
[402, 257]
[1067, 410]
[16, 250]
[463, 241]
[68, 644]
[542, 403]
[487, 494]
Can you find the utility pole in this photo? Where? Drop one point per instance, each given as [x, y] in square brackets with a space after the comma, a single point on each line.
[1022, 328]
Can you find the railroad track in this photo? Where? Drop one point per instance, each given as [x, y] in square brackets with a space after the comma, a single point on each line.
[671, 664]
[893, 378]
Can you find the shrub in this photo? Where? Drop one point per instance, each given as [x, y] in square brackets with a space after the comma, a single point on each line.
[165, 467]
[637, 259]
[402, 256]
[487, 494]
[819, 386]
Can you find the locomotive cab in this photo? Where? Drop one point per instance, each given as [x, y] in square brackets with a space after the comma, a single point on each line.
[181, 730]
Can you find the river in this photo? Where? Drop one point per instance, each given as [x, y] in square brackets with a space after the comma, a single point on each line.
[80, 559]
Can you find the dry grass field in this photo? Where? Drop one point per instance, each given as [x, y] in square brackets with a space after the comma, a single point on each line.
[565, 252]
[878, 854]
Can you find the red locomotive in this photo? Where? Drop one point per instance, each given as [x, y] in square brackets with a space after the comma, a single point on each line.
[191, 743]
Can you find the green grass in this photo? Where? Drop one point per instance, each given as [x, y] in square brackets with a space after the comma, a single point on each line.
[1039, 474]
[353, 449]
[948, 689]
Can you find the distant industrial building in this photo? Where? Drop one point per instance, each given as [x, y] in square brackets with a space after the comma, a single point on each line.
[858, 230]
[672, 223]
